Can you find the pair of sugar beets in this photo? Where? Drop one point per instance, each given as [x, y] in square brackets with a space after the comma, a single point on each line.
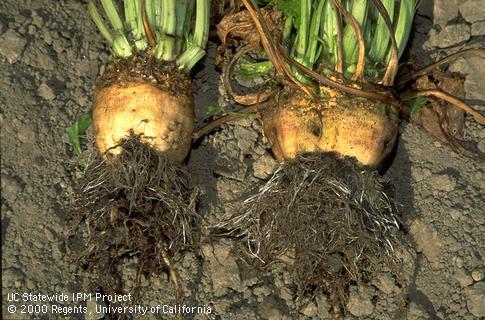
[324, 205]
[163, 113]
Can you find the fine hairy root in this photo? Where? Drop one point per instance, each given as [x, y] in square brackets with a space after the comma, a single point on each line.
[329, 217]
[137, 203]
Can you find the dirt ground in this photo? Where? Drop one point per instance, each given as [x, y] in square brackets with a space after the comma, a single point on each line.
[51, 56]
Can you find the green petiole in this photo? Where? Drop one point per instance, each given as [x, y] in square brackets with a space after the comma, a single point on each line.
[190, 57]
[158, 16]
[302, 36]
[150, 12]
[350, 42]
[407, 10]
[198, 41]
[113, 16]
[98, 21]
[165, 49]
[314, 39]
[119, 44]
[287, 30]
[381, 38]
[329, 31]
[135, 24]
[183, 15]
[170, 21]
[201, 33]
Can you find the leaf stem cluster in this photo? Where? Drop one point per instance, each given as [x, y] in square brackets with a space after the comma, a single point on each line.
[170, 23]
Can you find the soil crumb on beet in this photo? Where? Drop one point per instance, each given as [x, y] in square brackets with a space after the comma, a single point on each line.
[135, 204]
[332, 219]
[143, 67]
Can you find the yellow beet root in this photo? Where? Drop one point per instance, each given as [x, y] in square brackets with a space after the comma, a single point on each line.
[163, 120]
[351, 127]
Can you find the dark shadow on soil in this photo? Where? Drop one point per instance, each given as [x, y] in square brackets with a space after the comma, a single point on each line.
[5, 224]
[205, 84]
[399, 171]
[417, 296]
[201, 162]
[399, 174]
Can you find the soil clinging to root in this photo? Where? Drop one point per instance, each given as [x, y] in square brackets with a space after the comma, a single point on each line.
[331, 218]
[143, 67]
[135, 204]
